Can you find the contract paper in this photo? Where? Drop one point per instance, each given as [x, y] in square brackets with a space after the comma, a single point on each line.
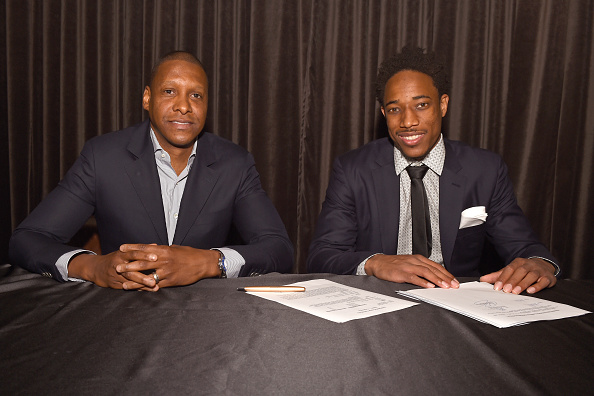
[480, 301]
[333, 301]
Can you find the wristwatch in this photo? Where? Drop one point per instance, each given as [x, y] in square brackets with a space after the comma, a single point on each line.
[222, 264]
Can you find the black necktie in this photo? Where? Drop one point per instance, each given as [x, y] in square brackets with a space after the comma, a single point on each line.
[421, 222]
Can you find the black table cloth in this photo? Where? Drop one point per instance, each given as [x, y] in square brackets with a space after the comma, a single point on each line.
[208, 338]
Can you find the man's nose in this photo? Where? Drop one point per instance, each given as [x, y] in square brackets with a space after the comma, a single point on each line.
[409, 119]
[182, 104]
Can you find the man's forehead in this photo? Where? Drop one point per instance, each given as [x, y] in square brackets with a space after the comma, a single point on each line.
[410, 76]
[175, 71]
[177, 64]
[412, 84]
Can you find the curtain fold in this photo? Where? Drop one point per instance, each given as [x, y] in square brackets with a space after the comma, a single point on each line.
[293, 81]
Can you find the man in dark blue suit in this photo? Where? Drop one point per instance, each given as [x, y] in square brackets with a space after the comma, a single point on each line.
[165, 196]
[365, 226]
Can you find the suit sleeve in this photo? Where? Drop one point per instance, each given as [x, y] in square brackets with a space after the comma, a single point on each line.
[333, 248]
[267, 245]
[38, 242]
[508, 228]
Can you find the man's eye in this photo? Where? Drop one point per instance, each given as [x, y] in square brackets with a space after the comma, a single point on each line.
[196, 95]
[393, 110]
[422, 105]
[168, 91]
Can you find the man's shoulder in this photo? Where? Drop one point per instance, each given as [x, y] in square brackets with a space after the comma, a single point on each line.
[221, 144]
[465, 153]
[119, 137]
[225, 153]
[379, 150]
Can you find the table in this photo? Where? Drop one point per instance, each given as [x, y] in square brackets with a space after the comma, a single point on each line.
[208, 338]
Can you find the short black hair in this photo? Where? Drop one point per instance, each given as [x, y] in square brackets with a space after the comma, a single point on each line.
[416, 59]
[176, 55]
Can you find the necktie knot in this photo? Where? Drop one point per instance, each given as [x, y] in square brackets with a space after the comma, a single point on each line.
[417, 172]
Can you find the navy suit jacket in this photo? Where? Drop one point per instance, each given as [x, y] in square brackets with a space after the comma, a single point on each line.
[360, 215]
[115, 178]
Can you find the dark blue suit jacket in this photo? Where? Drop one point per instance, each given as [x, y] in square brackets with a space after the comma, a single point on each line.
[360, 214]
[115, 178]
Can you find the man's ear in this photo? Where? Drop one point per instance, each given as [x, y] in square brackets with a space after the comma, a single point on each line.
[443, 104]
[146, 98]
[383, 111]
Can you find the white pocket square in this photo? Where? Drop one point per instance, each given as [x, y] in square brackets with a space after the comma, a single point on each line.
[473, 216]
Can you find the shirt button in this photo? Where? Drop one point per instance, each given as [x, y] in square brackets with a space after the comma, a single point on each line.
[175, 216]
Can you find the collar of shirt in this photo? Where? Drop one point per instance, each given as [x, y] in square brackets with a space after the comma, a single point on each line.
[434, 160]
[163, 156]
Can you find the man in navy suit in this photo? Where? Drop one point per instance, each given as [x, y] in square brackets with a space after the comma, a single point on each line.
[165, 196]
[365, 226]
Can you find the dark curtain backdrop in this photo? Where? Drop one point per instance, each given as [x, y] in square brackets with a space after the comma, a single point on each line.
[293, 82]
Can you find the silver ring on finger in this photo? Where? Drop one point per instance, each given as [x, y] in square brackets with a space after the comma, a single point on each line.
[156, 277]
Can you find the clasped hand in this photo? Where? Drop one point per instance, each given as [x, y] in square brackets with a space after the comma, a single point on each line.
[521, 274]
[133, 265]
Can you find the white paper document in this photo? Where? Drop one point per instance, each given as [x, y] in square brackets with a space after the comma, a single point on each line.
[336, 302]
[480, 301]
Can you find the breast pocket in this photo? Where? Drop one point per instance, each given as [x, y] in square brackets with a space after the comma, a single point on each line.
[472, 232]
[210, 229]
[469, 247]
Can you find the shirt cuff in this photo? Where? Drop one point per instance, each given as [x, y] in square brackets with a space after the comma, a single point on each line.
[64, 260]
[361, 267]
[557, 268]
[234, 262]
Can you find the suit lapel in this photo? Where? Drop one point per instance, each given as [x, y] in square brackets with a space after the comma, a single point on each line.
[201, 181]
[451, 195]
[145, 179]
[387, 191]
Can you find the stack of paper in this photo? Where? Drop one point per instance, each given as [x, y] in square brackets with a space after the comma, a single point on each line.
[480, 301]
[336, 302]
